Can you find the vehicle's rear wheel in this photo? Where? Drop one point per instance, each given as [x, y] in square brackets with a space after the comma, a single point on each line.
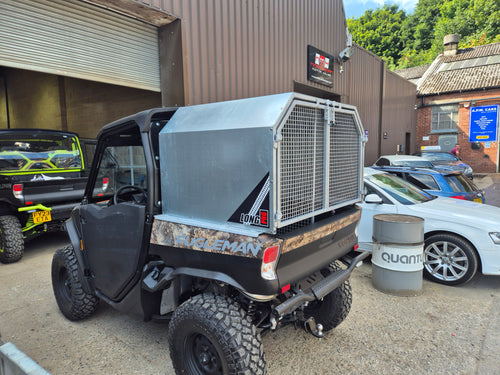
[211, 334]
[73, 301]
[11, 239]
[334, 307]
[449, 260]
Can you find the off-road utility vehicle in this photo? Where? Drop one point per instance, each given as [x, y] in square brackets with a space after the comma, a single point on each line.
[226, 219]
[41, 180]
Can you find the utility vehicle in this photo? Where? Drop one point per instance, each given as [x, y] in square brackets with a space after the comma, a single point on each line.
[228, 220]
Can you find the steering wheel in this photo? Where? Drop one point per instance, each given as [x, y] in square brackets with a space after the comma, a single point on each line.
[132, 188]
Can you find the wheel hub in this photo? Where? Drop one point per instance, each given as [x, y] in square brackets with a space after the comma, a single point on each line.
[205, 355]
[445, 261]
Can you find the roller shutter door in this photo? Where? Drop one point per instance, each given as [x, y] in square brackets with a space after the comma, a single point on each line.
[76, 39]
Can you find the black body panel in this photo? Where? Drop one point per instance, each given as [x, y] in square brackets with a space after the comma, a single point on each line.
[245, 270]
[112, 240]
[301, 262]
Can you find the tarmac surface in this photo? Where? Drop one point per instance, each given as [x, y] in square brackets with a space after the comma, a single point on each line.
[443, 330]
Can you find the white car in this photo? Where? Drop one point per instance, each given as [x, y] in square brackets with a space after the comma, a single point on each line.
[461, 237]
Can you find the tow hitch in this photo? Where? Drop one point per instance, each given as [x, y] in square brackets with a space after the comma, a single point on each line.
[316, 329]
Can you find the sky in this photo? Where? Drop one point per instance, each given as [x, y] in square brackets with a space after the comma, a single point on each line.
[355, 8]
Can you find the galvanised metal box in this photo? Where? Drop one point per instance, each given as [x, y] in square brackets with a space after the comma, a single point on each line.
[259, 165]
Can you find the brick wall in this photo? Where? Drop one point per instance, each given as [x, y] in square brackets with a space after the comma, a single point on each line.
[481, 160]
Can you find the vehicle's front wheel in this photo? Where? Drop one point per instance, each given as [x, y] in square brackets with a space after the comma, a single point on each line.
[73, 301]
[449, 260]
[11, 239]
[211, 334]
[334, 307]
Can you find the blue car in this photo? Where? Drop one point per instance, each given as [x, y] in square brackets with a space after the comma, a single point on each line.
[446, 162]
[438, 182]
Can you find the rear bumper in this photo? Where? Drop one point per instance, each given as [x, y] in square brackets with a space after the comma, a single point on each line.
[319, 290]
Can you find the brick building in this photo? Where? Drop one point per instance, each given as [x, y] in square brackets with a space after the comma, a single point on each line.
[452, 95]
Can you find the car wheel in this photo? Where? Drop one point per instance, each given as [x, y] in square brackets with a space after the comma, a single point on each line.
[73, 301]
[448, 259]
[210, 334]
[11, 239]
[334, 307]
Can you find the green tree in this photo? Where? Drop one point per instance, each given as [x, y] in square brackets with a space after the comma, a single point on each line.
[380, 31]
[405, 41]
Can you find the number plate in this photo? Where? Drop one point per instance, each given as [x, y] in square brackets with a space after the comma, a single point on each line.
[41, 217]
[478, 200]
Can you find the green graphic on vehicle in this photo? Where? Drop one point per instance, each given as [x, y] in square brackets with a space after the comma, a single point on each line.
[31, 156]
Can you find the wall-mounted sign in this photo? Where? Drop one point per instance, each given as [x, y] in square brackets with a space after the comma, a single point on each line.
[319, 66]
[483, 125]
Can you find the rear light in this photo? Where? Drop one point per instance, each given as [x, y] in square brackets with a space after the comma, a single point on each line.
[17, 190]
[286, 288]
[356, 247]
[459, 197]
[269, 262]
[105, 182]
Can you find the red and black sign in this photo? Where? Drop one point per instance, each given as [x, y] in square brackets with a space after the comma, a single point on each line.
[319, 66]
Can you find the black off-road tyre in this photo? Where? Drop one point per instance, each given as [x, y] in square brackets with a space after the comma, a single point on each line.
[73, 301]
[334, 307]
[449, 259]
[11, 239]
[211, 334]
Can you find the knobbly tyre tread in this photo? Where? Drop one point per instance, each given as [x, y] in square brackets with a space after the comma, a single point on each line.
[80, 304]
[11, 234]
[229, 323]
[334, 307]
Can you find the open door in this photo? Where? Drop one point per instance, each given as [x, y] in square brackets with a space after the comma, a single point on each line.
[113, 222]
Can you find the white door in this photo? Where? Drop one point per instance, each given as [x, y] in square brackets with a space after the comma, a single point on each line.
[365, 229]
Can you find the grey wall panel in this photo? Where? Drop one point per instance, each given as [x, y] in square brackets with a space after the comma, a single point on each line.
[399, 114]
[365, 73]
[239, 49]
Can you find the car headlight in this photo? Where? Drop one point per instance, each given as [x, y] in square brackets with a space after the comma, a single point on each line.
[495, 236]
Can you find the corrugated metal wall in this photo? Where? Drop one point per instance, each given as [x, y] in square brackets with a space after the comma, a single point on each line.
[238, 49]
[366, 74]
[399, 114]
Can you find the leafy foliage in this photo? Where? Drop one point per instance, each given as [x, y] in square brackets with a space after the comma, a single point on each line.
[405, 41]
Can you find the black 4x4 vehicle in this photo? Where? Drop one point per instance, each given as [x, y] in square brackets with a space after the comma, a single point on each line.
[41, 180]
[226, 219]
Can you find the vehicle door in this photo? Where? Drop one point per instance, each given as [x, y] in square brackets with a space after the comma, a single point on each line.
[114, 218]
[365, 230]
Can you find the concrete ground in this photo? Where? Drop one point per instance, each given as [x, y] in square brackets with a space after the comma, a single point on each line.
[444, 330]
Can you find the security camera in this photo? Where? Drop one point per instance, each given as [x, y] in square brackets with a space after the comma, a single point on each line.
[346, 53]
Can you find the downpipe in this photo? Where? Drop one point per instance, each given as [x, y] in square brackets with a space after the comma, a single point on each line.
[319, 290]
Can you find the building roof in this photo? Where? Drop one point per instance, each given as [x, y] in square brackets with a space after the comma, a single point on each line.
[470, 69]
[413, 74]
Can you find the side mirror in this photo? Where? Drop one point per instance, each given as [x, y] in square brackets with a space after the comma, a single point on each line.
[373, 198]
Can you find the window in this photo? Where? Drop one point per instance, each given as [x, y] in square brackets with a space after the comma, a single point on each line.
[444, 118]
[120, 166]
[459, 183]
[423, 181]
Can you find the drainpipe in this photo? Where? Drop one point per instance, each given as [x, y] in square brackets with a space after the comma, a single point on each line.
[381, 105]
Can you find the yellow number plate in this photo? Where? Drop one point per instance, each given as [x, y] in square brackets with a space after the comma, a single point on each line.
[41, 217]
[478, 200]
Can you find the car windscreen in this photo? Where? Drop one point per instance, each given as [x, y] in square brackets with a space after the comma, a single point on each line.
[459, 183]
[399, 189]
[39, 152]
[439, 156]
